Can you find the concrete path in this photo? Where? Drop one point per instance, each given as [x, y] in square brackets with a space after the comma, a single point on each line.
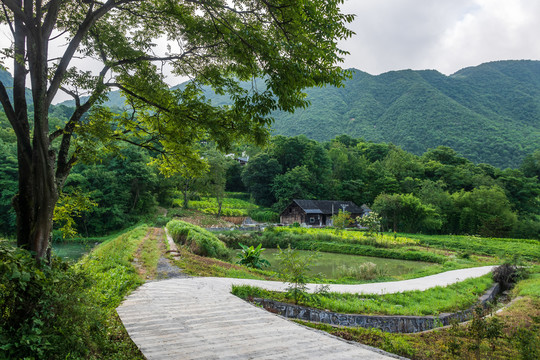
[198, 318]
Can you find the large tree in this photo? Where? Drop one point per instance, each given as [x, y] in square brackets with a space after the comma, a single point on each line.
[289, 44]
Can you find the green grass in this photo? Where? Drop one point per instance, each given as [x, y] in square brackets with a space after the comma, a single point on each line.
[437, 300]
[197, 239]
[73, 305]
[202, 266]
[149, 252]
[531, 285]
[520, 338]
[528, 249]
[110, 266]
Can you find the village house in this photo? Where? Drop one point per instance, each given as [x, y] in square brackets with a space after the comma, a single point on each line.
[319, 212]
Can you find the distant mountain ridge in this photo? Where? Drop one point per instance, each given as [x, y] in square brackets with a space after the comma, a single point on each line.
[489, 113]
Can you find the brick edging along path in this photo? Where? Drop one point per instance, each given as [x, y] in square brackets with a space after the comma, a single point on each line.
[198, 318]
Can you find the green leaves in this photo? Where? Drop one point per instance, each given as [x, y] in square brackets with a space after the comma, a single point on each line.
[251, 257]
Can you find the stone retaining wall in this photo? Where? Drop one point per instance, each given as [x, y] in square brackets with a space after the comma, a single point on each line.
[388, 323]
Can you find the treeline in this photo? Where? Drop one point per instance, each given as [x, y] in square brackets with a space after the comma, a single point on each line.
[438, 192]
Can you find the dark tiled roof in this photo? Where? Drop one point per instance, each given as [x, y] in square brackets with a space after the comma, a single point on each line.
[325, 206]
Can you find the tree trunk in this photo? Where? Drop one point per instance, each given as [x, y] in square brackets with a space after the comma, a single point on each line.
[35, 202]
[220, 202]
[34, 206]
[186, 197]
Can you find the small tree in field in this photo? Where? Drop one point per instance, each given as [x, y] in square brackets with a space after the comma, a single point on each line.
[342, 220]
[371, 221]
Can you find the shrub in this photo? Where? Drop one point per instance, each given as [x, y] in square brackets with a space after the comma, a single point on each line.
[295, 269]
[507, 275]
[197, 239]
[39, 304]
[364, 271]
[160, 220]
[251, 257]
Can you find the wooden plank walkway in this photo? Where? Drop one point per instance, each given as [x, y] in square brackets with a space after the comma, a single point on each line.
[198, 318]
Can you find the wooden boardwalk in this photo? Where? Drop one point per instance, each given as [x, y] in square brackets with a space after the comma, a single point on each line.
[198, 318]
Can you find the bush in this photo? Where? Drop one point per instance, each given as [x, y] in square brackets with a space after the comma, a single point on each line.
[251, 257]
[295, 269]
[507, 275]
[39, 304]
[160, 220]
[364, 271]
[197, 239]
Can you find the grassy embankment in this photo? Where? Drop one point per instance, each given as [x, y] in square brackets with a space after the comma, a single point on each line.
[73, 306]
[511, 334]
[117, 267]
[452, 298]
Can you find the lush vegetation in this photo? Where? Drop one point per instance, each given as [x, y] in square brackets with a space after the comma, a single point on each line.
[250, 256]
[434, 301]
[350, 242]
[487, 112]
[439, 192]
[203, 266]
[67, 311]
[230, 206]
[503, 248]
[512, 335]
[198, 240]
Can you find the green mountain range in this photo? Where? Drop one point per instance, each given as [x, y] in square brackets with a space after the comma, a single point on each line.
[488, 113]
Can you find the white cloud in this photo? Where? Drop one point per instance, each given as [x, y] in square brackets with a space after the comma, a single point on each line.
[444, 35]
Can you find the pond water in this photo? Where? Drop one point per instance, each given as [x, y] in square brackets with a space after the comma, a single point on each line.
[71, 249]
[331, 265]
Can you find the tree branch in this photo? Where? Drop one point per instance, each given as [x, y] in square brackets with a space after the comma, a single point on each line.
[73, 95]
[8, 108]
[91, 18]
[8, 19]
[50, 19]
[14, 7]
[149, 102]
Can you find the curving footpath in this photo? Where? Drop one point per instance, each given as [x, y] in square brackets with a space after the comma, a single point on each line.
[198, 318]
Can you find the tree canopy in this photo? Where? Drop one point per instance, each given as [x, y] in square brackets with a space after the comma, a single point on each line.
[289, 44]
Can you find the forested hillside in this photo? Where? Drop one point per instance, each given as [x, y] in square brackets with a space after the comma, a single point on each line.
[489, 113]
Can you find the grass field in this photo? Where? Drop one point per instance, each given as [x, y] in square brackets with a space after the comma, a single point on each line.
[527, 249]
[437, 300]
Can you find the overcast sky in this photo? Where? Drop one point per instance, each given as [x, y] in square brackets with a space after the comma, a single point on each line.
[445, 35]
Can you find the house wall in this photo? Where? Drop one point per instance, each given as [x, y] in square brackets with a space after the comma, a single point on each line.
[293, 213]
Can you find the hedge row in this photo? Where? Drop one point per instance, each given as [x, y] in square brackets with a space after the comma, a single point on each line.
[264, 215]
[271, 239]
[225, 211]
[198, 240]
